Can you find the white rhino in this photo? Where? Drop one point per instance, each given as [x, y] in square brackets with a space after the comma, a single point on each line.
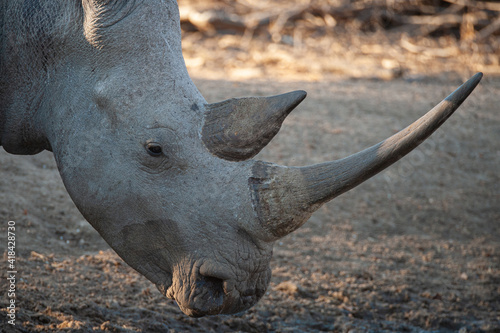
[167, 179]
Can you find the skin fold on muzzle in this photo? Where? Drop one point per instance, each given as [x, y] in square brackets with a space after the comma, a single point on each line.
[199, 290]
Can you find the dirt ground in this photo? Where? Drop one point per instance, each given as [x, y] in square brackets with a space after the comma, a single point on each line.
[415, 249]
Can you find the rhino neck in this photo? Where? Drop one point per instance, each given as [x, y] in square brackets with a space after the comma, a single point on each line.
[21, 104]
[33, 40]
[20, 132]
[21, 109]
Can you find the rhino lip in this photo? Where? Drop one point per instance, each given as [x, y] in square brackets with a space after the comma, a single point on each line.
[197, 303]
[202, 303]
[203, 287]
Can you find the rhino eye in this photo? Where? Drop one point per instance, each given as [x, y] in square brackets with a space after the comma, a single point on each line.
[154, 149]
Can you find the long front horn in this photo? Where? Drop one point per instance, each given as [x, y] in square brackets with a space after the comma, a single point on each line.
[285, 197]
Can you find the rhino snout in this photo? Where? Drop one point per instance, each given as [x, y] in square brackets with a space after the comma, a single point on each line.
[206, 297]
[200, 293]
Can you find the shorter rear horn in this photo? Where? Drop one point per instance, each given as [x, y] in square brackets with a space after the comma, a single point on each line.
[238, 129]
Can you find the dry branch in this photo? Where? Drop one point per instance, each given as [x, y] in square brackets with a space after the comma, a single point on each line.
[488, 30]
[339, 30]
[477, 4]
[283, 17]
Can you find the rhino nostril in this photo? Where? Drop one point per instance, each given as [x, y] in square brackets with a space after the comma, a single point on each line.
[213, 284]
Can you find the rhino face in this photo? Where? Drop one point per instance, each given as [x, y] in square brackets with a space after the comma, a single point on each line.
[135, 164]
[177, 215]
[176, 219]
[167, 179]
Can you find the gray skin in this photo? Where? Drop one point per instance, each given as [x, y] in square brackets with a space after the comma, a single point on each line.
[167, 179]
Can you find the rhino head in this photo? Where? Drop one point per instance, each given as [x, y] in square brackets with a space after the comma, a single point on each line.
[167, 179]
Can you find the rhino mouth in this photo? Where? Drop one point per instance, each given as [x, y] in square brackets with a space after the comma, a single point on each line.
[205, 301]
[209, 295]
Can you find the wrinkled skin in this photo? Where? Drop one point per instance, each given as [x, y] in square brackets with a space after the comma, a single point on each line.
[161, 175]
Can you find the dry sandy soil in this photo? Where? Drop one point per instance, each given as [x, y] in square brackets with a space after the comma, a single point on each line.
[415, 249]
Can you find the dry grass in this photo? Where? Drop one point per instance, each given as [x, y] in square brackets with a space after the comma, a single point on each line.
[314, 40]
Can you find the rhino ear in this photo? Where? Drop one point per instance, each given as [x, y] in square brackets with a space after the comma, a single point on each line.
[238, 129]
[101, 14]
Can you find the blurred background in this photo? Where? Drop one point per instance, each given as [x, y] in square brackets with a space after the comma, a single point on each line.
[319, 39]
